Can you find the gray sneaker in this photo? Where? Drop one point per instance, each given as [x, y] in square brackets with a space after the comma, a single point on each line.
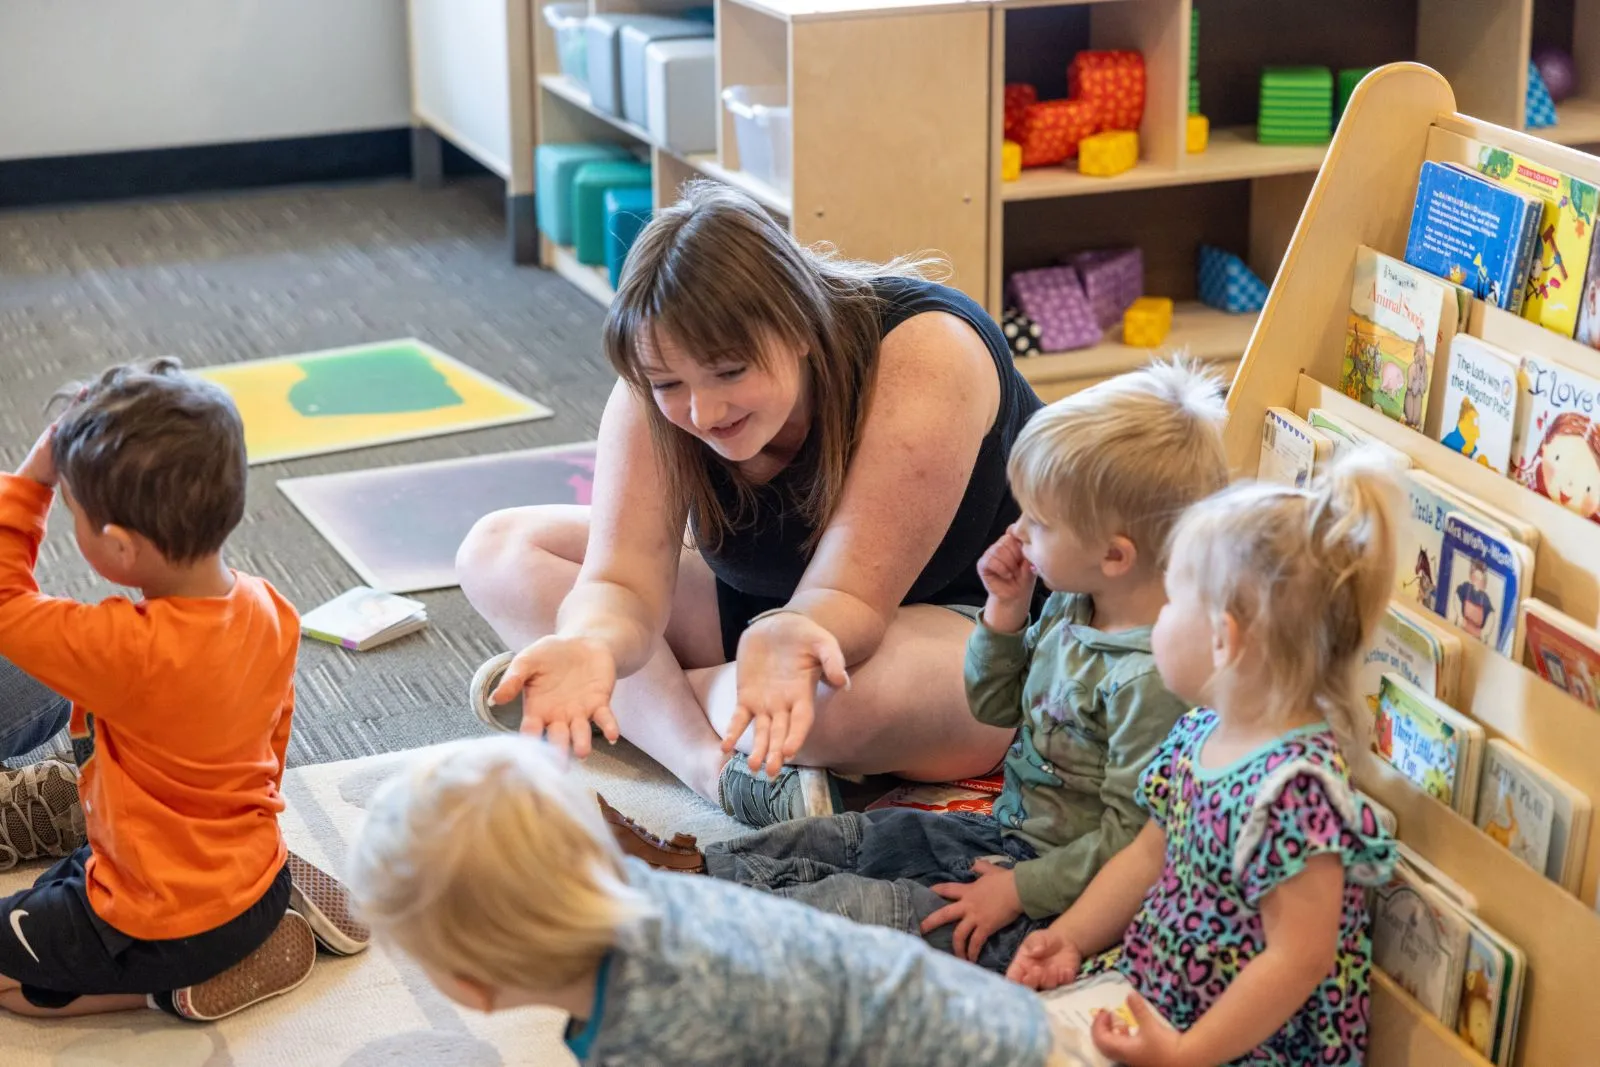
[39, 812]
[507, 717]
[796, 793]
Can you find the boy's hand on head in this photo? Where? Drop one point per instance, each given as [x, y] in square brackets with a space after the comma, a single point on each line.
[1153, 1043]
[978, 908]
[1009, 579]
[1046, 960]
[40, 464]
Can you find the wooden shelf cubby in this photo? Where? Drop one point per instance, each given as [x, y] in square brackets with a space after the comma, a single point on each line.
[1363, 194]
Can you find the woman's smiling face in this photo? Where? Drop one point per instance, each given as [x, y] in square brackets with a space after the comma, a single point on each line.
[735, 407]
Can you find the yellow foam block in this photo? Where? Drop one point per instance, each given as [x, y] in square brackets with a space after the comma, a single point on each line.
[1198, 134]
[1108, 153]
[1147, 322]
[1010, 161]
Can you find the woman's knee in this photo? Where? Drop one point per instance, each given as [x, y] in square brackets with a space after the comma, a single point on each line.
[513, 549]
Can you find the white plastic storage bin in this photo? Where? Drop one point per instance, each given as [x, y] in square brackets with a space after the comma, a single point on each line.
[681, 94]
[572, 38]
[763, 126]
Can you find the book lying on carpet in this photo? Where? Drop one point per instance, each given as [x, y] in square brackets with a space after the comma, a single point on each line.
[364, 618]
[941, 797]
[1563, 651]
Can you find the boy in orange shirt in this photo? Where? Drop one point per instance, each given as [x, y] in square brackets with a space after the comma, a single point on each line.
[182, 703]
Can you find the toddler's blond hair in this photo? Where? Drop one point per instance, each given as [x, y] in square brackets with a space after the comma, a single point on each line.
[1126, 456]
[487, 860]
[1307, 574]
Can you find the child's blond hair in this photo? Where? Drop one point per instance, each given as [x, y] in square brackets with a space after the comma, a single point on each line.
[1126, 456]
[1305, 573]
[486, 860]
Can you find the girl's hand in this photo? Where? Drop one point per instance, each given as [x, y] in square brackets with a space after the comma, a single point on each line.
[781, 659]
[1155, 1042]
[566, 684]
[978, 908]
[1046, 960]
[1009, 579]
[40, 464]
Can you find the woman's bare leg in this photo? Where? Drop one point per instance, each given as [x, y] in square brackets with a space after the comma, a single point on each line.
[905, 712]
[517, 566]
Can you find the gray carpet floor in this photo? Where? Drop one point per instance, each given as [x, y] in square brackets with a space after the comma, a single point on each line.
[228, 278]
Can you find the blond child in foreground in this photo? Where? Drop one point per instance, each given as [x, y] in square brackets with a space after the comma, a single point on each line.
[492, 867]
[1239, 908]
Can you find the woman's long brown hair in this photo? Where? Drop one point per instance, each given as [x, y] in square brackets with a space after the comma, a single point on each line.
[717, 275]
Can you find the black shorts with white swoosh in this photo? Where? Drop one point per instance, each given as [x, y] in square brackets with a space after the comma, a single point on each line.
[59, 949]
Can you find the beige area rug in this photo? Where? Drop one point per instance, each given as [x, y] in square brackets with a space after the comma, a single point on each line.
[372, 1010]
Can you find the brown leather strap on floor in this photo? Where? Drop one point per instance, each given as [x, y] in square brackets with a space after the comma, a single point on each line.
[680, 854]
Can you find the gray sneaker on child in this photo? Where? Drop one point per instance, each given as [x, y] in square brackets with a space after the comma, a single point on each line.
[39, 812]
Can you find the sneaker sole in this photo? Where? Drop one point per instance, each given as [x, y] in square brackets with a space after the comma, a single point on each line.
[819, 792]
[280, 965]
[325, 903]
[483, 683]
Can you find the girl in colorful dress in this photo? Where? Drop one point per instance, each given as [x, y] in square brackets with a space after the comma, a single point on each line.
[1239, 908]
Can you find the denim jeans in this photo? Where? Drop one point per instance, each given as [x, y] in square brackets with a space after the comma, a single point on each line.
[877, 868]
[30, 714]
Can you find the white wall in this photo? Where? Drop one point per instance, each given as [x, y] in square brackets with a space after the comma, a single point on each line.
[83, 76]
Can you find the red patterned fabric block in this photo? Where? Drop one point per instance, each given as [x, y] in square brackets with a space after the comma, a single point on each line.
[1051, 131]
[1019, 97]
[1114, 83]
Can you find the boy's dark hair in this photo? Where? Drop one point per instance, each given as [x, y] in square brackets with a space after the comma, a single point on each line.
[155, 451]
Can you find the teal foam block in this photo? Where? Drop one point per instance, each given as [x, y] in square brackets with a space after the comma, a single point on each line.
[589, 188]
[627, 210]
[555, 165]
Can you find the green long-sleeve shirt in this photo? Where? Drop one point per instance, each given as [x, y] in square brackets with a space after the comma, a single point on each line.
[1092, 712]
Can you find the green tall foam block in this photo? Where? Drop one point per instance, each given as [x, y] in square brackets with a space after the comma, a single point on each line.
[1348, 80]
[589, 187]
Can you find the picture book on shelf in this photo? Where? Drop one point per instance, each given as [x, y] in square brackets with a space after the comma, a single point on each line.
[1420, 940]
[1424, 868]
[1346, 438]
[1419, 543]
[1564, 238]
[1515, 810]
[1562, 651]
[1436, 747]
[1570, 814]
[1406, 643]
[1290, 448]
[1483, 574]
[1401, 321]
[1478, 413]
[363, 618]
[1471, 231]
[1518, 528]
[1491, 992]
[1556, 451]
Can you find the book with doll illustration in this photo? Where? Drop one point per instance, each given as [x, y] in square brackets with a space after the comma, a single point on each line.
[1436, 747]
[1422, 652]
[1419, 938]
[1290, 449]
[1569, 813]
[1563, 651]
[1401, 321]
[1556, 449]
[1564, 238]
[1483, 573]
[1473, 232]
[364, 618]
[1419, 542]
[1478, 411]
[1491, 992]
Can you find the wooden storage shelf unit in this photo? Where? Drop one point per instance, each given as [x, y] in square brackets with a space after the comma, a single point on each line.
[1363, 195]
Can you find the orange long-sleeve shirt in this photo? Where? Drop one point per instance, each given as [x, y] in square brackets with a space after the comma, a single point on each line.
[189, 701]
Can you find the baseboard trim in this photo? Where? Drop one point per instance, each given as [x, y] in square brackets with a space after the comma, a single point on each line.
[365, 154]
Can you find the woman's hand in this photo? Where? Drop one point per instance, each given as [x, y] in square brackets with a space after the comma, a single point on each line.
[1009, 579]
[566, 684]
[781, 659]
[1046, 960]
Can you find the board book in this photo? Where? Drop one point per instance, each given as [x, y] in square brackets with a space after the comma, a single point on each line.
[1075, 1007]
[1423, 653]
[1438, 749]
[1347, 439]
[1483, 577]
[1401, 321]
[1423, 868]
[1419, 539]
[1563, 240]
[1290, 449]
[1562, 651]
[1570, 814]
[1419, 938]
[1556, 449]
[364, 618]
[1472, 232]
[1491, 993]
[1478, 411]
[1515, 809]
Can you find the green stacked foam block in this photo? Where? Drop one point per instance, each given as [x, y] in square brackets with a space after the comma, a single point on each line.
[1348, 80]
[1296, 105]
[1194, 61]
[589, 188]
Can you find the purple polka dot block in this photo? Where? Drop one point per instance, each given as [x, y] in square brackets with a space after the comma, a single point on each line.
[1113, 278]
[1053, 297]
